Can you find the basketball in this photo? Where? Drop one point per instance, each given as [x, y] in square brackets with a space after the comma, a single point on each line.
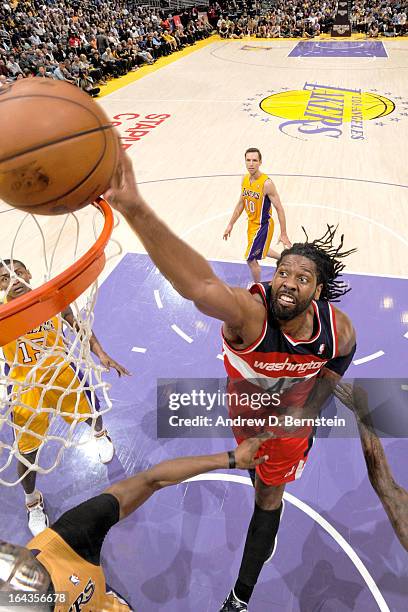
[58, 149]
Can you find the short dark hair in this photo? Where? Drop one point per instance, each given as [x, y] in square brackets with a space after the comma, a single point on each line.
[8, 262]
[253, 150]
[326, 258]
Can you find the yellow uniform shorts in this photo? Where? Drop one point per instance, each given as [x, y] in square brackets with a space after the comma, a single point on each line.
[259, 240]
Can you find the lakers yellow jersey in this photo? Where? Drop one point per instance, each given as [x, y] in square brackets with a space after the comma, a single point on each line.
[257, 204]
[84, 582]
[43, 345]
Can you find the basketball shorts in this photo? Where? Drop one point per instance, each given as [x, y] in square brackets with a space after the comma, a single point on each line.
[286, 459]
[259, 240]
[38, 407]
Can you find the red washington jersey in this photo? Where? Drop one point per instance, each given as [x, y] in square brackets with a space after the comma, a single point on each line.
[278, 363]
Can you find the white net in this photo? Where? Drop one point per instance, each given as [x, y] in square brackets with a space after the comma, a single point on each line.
[52, 390]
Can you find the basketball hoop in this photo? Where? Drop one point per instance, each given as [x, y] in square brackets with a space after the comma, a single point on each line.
[28, 311]
[41, 365]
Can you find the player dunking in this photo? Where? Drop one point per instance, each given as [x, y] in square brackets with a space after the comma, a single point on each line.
[65, 559]
[20, 358]
[258, 195]
[281, 335]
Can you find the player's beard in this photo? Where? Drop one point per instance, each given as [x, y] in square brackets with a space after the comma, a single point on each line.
[283, 313]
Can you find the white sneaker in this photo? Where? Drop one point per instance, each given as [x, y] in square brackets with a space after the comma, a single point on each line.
[105, 447]
[37, 517]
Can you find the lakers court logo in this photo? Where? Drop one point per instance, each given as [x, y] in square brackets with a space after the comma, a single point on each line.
[324, 110]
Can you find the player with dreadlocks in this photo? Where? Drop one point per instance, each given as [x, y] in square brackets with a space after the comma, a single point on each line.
[284, 337]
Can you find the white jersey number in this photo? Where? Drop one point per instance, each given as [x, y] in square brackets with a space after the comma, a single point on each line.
[23, 346]
[249, 205]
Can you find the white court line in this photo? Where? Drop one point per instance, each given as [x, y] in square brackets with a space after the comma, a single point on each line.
[182, 334]
[109, 268]
[268, 263]
[406, 335]
[368, 358]
[194, 100]
[276, 537]
[356, 215]
[138, 349]
[350, 552]
[293, 204]
[324, 207]
[265, 262]
[158, 298]
[204, 222]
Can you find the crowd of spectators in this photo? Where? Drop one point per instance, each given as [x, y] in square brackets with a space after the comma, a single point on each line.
[308, 18]
[87, 43]
[284, 19]
[374, 18]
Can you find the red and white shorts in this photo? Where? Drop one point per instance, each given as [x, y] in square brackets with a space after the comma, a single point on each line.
[286, 459]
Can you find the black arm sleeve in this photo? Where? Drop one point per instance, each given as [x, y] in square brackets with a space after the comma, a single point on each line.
[84, 527]
[339, 365]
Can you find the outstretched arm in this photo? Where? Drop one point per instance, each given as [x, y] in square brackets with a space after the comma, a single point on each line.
[134, 491]
[272, 192]
[393, 497]
[96, 346]
[187, 270]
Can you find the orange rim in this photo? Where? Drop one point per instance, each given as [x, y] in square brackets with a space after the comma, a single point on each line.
[30, 310]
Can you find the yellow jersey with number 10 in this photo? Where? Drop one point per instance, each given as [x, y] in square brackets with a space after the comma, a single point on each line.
[257, 204]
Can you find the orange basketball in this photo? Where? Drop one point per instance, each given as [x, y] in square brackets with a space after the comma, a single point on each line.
[58, 149]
